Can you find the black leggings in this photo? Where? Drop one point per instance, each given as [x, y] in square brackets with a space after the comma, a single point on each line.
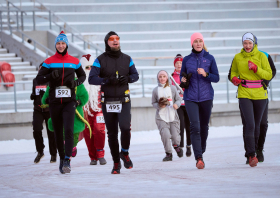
[184, 124]
[63, 116]
[252, 112]
[112, 120]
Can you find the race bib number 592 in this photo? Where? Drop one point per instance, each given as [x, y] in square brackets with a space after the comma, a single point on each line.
[114, 108]
[62, 93]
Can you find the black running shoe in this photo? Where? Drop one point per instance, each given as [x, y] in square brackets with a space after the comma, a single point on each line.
[126, 161]
[39, 157]
[53, 159]
[260, 155]
[179, 151]
[117, 168]
[60, 167]
[66, 166]
[168, 157]
[189, 151]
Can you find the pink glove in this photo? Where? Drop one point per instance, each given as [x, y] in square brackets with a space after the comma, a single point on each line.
[252, 66]
[236, 81]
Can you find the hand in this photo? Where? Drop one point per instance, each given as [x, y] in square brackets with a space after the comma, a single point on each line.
[252, 66]
[163, 102]
[236, 81]
[202, 72]
[183, 80]
[71, 84]
[113, 81]
[55, 74]
[175, 106]
[78, 102]
[124, 79]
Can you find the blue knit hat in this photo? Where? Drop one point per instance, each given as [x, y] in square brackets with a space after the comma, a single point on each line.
[61, 37]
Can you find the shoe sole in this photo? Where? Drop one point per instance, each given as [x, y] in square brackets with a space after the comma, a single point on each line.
[253, 163]
[200, 165]
[102, 163]
[66, 169]
[52, 161]
[115, 172]
[39, 160]
[93, 164]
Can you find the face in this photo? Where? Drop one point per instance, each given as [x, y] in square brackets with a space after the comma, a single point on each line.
[198, 44]
[88, 67]
[162, 79]
[60, 46]
[114, 42]
[178, 65]
[248, 45]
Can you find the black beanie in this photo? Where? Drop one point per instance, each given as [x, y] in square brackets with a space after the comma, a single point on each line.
[106, 40]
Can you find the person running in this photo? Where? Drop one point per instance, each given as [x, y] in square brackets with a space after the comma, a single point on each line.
[166, 100]
[94, 115]
[199, 70]
[182, 112]
[59, 70]
[248, 70]
[113, 70]
[39, 116]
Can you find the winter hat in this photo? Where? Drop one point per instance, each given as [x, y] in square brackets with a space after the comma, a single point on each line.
[86, 60]
[248, 36]
[162, 72]
[178, 57]
[61, 37]
[256, 40]
[196, 35]
[111, 33]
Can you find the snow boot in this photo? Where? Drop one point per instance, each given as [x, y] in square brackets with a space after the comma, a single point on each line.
[74, 151]
[93, 162]
[189, 151]
[179, 151]
[126, 161]
[38, 157]
[60, 166]
[66, 166]
[168, 157]
[53, 159]
[102, 161]
[253, 161]
[260, 155]
[200, 163]
[117, 168]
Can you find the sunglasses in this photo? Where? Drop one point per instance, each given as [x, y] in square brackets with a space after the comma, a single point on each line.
[88, 67]
[113, 38]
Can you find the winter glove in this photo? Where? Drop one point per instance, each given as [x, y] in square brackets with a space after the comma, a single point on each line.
[113, 81]
[163, 101]
[188, 77]
[124, 79]
[252, 66]
[236, 81]
[71, 84]
[32, 96]
[55, 74]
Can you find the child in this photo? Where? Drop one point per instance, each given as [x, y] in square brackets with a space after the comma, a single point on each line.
[166, 100]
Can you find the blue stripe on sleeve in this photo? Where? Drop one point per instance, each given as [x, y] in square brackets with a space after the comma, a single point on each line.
[78, 66]
[96, 63]
[131, 62]
[46, 65]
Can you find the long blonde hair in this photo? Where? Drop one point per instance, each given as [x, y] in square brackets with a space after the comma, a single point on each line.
[204, 47]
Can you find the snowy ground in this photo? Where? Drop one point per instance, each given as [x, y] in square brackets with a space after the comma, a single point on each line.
[225, 174]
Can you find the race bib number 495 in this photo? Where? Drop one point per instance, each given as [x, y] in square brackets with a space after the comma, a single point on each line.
[39, 88]
[114, 108]
[62, 92]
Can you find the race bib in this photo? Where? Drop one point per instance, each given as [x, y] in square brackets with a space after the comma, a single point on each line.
[114, 107]
[182, 102]
[170, 101]
[62, 92]
[100, 119]
[39, 88]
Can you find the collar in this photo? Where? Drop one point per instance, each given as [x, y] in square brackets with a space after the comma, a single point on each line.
[60, 55]
[252, 53]
[199, 55]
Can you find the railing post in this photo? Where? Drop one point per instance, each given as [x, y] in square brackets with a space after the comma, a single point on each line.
[8, 5]
[84, 45]
[34, 21]
[50, 18]
[22, 21]
[142, 79]
[34, 45]
[15, 97]
[72, 37]
[17, 22]
[22, 37]
[1, 21]
[227, 91]
[96, 52]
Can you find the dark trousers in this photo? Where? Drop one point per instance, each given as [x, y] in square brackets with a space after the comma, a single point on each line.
[112, 120]
[199, 115]
[38, 119]
[252, 112]
[184, 124]
[63, 116]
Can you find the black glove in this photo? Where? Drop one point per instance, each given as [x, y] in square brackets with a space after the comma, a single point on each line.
[78, 103]
[188, 77]
[71, 84]
[113, 81]
[42, 92]
[55, 74]
[32, 96]
[124, 79]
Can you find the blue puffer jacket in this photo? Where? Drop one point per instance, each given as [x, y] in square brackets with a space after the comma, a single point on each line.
[200, 88]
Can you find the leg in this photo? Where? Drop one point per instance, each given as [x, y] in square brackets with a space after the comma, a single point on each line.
[193, 113]
[111, 122]
[90, 141]
[68, 123]
[164, 130]
[187, 127]
[175, 133]
[38, 119]
[243, 123]
[99, 136]
[263, 128]
[125, 122]
[52, 146]
[57, 121]
[205, 109]
[180, 112]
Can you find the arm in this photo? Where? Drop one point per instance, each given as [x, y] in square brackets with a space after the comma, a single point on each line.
[82, 95]
[234, 70]
[81, 75]
[272, 66]
[44, 75]
[155, 99]
[264, 72]
[133, 74]
[213, 75]
[45, 96]
[32, 96]
[177, 98]
[94, 78]
[183, 69]
[229, 72]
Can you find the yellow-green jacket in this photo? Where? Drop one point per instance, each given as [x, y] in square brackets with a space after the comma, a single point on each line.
[240, 69]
